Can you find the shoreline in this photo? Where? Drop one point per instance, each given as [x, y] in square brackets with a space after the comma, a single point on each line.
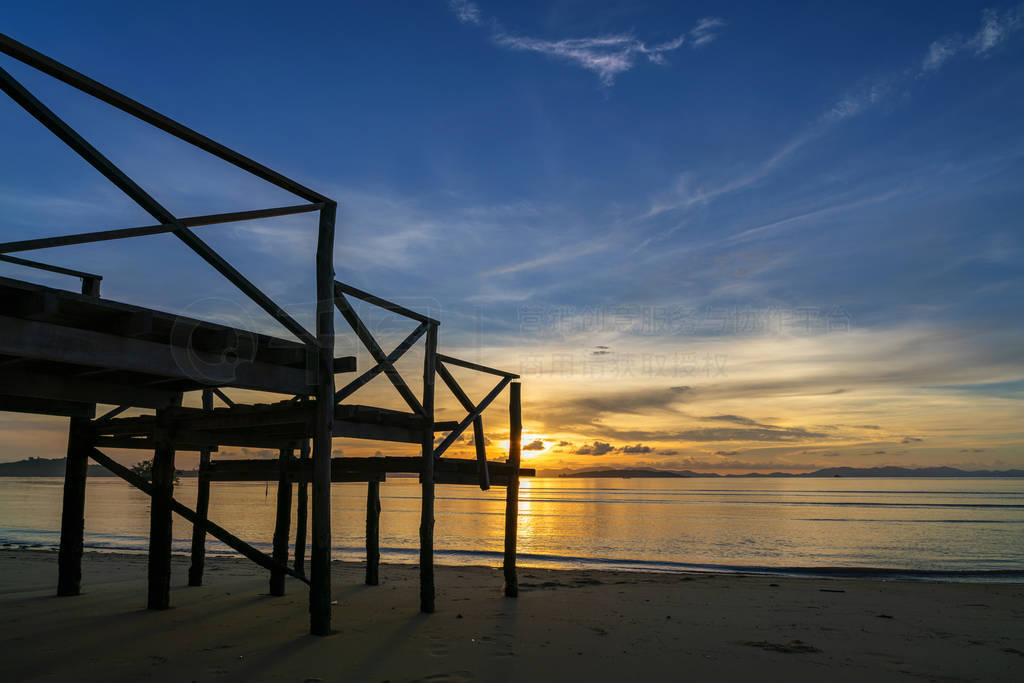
[980, 576]
[596, 624]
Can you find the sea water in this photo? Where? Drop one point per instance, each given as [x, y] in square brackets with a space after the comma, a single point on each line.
[954, 529]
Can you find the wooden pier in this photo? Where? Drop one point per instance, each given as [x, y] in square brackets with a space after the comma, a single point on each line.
[65, 352]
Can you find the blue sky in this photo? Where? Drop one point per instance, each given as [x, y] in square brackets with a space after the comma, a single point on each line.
[699, 229]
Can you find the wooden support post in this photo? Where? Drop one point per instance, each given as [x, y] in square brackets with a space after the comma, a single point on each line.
[481, 453]
[301, 513]
[515, 417]
[427, 476]
[72, 521]
[160, 514]
[195, 570]
[91, 286]
[283, 523]
[323, 428]
[373, 533]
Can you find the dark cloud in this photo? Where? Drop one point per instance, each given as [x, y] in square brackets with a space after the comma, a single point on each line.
[639, 448]
[753, 434]
[737, 419]
[535, 445]
[471, 441]
[727, 453]
[972, 450]
[596, 448]
[866, 427]
[911, 439]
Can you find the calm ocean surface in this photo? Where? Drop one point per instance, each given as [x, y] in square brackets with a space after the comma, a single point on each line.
[955, 529]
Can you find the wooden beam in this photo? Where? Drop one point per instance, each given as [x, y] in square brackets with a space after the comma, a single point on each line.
[474, 366]
[366, 337]
[46, 406]
[322, 428]
[72, 520]
[283, 521]
[49, 341]
[383, 303]
[392, 358]
[218, 532]
[80, 146]
[87, 85]
[195, 570]
[372, 533]
[124, 233]
[111, 414]
[480, 408]
[213, 529]
[160, 515]
[222, 396]
[483, 478]
[47, 267]
[302, 512]
[454, 387]
[515, 417]
[427, 477]
[80, 390]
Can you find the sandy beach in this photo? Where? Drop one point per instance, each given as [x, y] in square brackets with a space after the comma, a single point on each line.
[566, 625]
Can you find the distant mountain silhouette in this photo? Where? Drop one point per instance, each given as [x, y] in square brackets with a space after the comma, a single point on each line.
[629, 474]
[827, 472]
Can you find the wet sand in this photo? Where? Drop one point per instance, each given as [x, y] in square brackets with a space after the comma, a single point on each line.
[565, 626]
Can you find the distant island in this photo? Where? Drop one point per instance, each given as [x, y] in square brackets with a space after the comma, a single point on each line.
[54, 467]
[827, 472]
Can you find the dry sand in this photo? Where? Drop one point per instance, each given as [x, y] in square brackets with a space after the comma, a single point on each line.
[566, 626]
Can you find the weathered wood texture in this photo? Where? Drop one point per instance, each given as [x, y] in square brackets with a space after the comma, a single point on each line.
[427, 478]
[515, 411]
[283, 521]
[372, 533]
[72, 521]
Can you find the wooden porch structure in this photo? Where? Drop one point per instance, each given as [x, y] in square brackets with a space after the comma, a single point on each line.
[64, 352]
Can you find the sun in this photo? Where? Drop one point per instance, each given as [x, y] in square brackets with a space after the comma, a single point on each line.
[533, 445]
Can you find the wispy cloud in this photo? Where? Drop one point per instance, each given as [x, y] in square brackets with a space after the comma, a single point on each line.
[706, 30]
[566, 254]
[466, 12]
[995, 28]
[608, 56]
